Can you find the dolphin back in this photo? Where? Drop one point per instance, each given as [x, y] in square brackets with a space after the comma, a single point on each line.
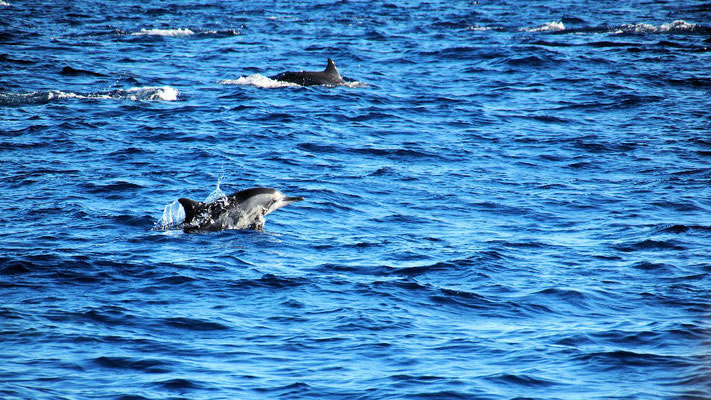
[328, 77]
[241, 210]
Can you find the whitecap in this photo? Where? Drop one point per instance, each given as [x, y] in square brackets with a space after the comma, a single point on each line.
[355, 84]
[4, 3]
[554, 26]
[257, 80]
[164, 32]
[146, 93]
[149, 93]
[17, 99]
[478, 28]
[675, 26]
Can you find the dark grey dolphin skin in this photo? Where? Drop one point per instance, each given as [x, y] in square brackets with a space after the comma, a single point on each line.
[241, 210]
[327, 77]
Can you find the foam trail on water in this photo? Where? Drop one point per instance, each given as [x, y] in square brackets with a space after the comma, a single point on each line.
[146, 93]
[262, 81]
[554, 26]
[164, 32]
[675, 26]
[257, 80]
[150, 93]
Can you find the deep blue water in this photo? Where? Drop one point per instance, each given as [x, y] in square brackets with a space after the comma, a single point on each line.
[513, 200]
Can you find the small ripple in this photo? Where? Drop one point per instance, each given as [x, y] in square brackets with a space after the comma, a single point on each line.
[194, 324]
[612, 360]
[270, 281]
[118, 186]
[649, 245]
[144, 365]
[178, 384]
[678, 228]
[521, 380]
[463, 298]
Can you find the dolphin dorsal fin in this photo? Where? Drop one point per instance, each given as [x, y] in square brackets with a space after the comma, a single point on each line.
[190, 206]
[331, 68]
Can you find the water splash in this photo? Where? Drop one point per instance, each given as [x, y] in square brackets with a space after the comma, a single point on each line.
[217, 194]
[173, 216]
[258, 81]
[262, 81]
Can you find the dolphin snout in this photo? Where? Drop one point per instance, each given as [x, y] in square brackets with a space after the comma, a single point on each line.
[293, 199]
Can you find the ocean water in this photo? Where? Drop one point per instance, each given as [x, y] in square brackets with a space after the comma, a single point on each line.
[509, 200]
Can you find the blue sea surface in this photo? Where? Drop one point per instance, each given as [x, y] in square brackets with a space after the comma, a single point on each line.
[509, 200]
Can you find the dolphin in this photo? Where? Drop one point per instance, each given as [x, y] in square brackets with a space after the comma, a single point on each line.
[327, 77]
[241, 210]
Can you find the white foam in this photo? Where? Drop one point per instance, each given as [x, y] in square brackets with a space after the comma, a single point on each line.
[146, 93]
[554, 26]
[164, 32]
[266, 82]
[257, 80]
[355, 84]
[4, 3]
[478, 28]
[675, 26]
[150, 93]
[678, 25]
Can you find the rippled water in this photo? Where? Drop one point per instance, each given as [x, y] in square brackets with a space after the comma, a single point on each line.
[512, 202]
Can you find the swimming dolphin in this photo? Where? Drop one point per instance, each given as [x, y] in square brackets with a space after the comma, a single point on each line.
[327, 77]
[241, 210]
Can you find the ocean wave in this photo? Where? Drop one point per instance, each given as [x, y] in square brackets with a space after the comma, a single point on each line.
[554, 26]
[137, 364]
[478, 28]
[219, 33]
[675, 26]
[164, 32]
[145, 93]
[4, 3]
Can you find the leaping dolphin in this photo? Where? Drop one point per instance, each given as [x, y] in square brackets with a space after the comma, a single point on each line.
[241, 210]
[327, 77]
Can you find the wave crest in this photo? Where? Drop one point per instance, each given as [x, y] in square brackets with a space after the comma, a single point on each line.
[555, 26]
[164, 32]
[675, 26]
[149, 93]
[145, 93]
